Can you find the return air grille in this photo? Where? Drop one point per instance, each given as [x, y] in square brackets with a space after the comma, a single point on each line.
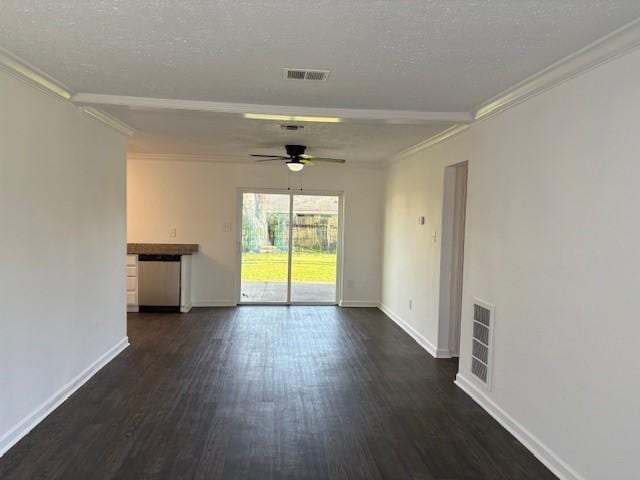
[306, 74]
[482, 341]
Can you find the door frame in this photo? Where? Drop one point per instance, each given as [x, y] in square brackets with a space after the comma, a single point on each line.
[452, 249]
[291, 192]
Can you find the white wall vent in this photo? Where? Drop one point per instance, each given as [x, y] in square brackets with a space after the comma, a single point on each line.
[306, 74]
[482, 341]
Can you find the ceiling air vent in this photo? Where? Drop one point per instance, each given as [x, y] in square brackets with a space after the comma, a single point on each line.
[482, 341]
[291, 128]
[306, 74]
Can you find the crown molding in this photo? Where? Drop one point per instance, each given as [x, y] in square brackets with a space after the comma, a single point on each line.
[607, 48]
[388, 116]
[110, 121]
[614, 45]
[429, 142]
[24, 71]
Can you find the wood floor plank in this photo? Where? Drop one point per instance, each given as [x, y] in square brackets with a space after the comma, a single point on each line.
[271, 393]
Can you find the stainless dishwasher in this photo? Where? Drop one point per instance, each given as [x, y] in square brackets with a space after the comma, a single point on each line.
[159, 283]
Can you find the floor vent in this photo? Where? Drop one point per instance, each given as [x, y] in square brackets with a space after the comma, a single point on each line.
[306, 74]
[482, 342]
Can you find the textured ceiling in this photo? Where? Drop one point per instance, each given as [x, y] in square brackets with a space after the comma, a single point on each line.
[424, 55]
[444, 55]
[231, 137]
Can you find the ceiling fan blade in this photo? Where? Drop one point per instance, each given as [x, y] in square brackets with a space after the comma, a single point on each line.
[326, 160]
[277, 157]
[270, 159]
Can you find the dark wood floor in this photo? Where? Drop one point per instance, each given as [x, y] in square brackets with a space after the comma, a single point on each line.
[271, 392]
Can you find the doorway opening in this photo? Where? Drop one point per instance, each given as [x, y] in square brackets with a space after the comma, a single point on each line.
[289, 247]
[454, 206]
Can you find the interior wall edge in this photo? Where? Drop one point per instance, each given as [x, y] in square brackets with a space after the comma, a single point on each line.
[420, 339]
[541, 451]
[29, 422]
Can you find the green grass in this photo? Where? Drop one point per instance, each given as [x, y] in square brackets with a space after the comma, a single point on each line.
[316, 267]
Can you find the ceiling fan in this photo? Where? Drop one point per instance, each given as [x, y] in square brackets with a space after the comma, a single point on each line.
[296, 158]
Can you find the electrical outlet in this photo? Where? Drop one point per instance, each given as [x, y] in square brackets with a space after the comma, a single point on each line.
[172, 232]
[226, 227]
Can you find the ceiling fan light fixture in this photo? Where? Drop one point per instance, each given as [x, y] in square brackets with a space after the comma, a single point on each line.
[295, 166]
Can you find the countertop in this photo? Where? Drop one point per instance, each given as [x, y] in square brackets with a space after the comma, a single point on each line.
[162, 248]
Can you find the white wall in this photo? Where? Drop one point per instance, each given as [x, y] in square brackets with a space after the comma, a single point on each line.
[62, 280]
[552, 234]
[198, 198]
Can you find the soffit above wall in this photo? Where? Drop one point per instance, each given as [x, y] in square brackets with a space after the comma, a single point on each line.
[229, 137]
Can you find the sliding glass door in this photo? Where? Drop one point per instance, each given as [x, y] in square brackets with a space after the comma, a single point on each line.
[314, 248]
[289, 248]
[265, 247]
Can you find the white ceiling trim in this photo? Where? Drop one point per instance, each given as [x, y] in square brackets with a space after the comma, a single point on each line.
[23, 70]
[617, 43]
[388, 116]
[108, 120]
[31, 75]
[429, 142]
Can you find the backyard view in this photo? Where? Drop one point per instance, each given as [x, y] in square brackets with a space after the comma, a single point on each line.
[310, 267]
[265, 247]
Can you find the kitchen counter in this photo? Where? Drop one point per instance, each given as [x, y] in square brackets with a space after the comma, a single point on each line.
[162, 248]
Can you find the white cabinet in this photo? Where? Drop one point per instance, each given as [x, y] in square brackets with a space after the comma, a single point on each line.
[132, 283]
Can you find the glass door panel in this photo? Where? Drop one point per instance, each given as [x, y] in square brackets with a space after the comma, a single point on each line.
[265, 247]
[314, 255]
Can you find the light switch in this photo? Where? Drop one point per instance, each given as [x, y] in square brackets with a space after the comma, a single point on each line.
[226, 227]
[421, 220]
[435, 236]
[172, 232]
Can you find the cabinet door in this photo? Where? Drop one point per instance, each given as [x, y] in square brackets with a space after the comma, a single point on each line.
[132, 298]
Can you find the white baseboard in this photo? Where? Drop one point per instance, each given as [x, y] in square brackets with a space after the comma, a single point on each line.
[358, 303]
[185, 308]
[420, 339]
[530, 441]
[214, 303]
[24, 426]
[444, 353]
[133, 308]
